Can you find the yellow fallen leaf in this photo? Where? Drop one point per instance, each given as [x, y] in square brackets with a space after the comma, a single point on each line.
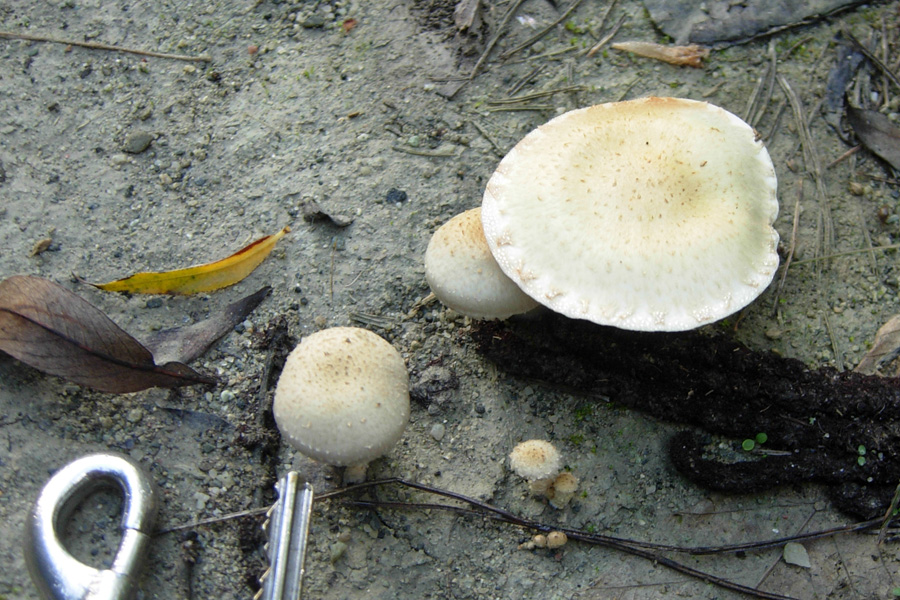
[199, 278]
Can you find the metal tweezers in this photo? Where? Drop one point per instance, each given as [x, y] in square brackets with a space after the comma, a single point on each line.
[287, 526]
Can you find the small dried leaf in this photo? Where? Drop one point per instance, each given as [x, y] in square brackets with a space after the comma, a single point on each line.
[691, 56]
[796, 554]
[312, 213]
[877, 133]
[465, 14]
[885, 347]
[40, 246]
[200, 278]
[55, 331]
[184, 344]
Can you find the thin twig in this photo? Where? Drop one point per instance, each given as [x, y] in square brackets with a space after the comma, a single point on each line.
[867, 239]
[811, 159]
[889, 515]
[517, 86]
[865, 52]
[605, 39]
[520, 107]
[844, 156]
[500, 514]
[847, 253]
[493, 41]
[536, 37]
[497, 149]
[252, 512]
[100, 46]
[791, 248]
[440, 151]
[535, 95]
[761, 101]
[838, 354]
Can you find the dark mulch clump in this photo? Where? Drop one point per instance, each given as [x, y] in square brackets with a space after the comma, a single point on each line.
[820, 417]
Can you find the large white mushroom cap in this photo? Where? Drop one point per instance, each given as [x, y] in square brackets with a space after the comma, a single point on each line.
[343, 396]
[652, 214]
[463, 274]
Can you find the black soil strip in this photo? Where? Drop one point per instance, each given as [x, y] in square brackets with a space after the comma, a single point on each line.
[818, 419]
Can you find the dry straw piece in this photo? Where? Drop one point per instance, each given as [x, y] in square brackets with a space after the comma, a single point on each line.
[652, 214]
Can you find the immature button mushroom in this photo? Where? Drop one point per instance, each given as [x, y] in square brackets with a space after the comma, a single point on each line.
[463, 274]
[563, 489]
[538, 461]
[343, 398]
[556, 539]
[652, 214]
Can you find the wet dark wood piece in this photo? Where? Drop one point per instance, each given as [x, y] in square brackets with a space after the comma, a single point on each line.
[820, 416]
[728, 21]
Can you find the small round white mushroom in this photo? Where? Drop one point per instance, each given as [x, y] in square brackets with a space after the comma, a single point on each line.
[537, 461]
[343, 397]
[653, 214]
[463, 274]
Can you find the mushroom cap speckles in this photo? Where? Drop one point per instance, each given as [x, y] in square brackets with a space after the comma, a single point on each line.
[343, 396]
[463, 274]
[535, 460]
[652, 214]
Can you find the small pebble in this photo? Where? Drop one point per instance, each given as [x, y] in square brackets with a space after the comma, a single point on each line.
[135, 415]
[137, 141]
[314, 21]
[437, 431]
[395, 196]
[337, 551]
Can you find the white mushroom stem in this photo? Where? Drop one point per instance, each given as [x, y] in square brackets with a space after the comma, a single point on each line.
[355, 474]
[541, 487]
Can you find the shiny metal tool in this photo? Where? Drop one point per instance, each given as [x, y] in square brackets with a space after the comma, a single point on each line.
[56, 573]
[287, 525]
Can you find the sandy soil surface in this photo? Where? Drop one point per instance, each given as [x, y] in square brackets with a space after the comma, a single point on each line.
[133, 163]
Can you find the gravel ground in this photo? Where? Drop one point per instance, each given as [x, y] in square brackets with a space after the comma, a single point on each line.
[126, 162]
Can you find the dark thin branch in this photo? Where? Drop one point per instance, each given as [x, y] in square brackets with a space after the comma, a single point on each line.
[542, 32]
[868, 54]
[499, 514]
[9, 35]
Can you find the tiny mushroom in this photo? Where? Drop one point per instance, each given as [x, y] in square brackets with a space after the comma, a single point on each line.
[537, 461]
[343, 398]
[653, 214]
[563, 489]
[556, 539]
[463, 274]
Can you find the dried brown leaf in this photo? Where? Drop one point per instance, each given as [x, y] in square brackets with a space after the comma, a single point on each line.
[877, 133]
[465, 15]
[55, 331]
[313, 213]
[885, 347]
[691, 55]
[184, 344]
